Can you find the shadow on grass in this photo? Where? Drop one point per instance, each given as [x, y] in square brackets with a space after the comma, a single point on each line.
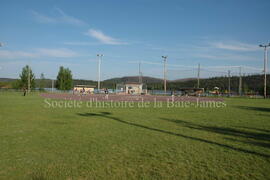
[255, 143]
[108, 116]
[256, 129]
[263, 135]
[223, 130]
[262, 109]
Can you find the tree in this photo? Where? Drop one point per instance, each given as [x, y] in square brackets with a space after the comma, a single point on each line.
[42, 82]
[23, 82]
[64, 79]
[261, 91]
[16, 84]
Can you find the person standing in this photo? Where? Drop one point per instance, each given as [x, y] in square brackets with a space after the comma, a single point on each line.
[24, 91]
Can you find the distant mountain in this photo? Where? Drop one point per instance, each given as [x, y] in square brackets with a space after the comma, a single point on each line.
[145, 79]
[251, 83]
[183, 80]
[7, 79]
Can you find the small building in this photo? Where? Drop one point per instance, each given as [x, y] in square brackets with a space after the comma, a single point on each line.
[215, 91]
[83, 89]
[131, 88]
[192, 91]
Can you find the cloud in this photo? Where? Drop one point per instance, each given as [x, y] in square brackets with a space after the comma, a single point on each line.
[38, 53]
[42, 18]
[78, 43]
[235, 46]
[69, 19]
[6, 54]
[61, 53]
[105, 39]
[233, 57]
[61, 17]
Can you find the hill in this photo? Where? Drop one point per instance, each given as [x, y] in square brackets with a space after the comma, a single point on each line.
[145, 79]
[250, 84]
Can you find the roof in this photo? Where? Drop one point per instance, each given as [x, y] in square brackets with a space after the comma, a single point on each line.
[190, 88]
[137, 83]
[85, 86]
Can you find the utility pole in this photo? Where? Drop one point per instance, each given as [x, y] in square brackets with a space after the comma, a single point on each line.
[229, 86]
[140, 73]
[265, 68]
[240, 81]
[99, 62]
[198, 77]
[165, 73]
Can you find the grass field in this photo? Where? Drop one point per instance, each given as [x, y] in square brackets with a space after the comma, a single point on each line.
[133, 143]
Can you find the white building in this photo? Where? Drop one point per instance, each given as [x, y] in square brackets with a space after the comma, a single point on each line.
[131, 88]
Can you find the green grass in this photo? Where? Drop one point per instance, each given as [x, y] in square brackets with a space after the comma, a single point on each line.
[133, 143]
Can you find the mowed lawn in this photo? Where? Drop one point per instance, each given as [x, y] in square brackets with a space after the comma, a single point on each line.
[133, 143]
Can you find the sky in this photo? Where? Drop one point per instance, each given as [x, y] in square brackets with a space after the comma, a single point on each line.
[219, 35]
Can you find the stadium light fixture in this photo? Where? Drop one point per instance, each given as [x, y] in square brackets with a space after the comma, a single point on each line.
[99, 62]
[265, 66]
[165, 73]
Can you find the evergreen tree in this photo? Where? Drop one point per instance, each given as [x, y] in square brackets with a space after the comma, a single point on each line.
[23, 82]
[42, 82]
[64, 79]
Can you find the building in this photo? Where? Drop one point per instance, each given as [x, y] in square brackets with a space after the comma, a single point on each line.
[192, 91]
[131, 88]
[83, 89]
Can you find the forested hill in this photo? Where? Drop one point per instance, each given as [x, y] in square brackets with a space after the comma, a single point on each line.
[252, 83]
[145, 79]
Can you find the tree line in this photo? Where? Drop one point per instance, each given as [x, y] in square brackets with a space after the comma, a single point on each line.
[64, 80]
[251, 84]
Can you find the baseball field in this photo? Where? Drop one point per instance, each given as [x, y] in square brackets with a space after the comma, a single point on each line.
[61, 136]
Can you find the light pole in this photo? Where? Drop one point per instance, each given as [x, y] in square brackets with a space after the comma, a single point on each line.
[99, 61]
[140, 73]
[198, 76]
[165, 73]
[240, 81]
[265, 66]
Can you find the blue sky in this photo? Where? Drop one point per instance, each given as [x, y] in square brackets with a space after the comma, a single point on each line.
[220, 35]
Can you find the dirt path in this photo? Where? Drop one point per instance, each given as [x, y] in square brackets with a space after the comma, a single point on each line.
[134, 98]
